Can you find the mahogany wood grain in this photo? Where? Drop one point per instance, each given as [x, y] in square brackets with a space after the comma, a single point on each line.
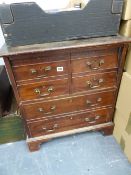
[98, 63]
[94, 82]
[69, 122]
[89, 52]
[39, 71]
[71, 104]
[44, 89]
[39, 57]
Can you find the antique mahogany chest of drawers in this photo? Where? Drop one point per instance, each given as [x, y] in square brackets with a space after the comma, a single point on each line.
[66, 87]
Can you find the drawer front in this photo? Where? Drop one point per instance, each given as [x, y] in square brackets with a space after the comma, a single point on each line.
[69, 122]
[94, 82]
[38, 71]
[39, 57]
[86, 52]
[59, 106]
[43, 89]
[94, 64]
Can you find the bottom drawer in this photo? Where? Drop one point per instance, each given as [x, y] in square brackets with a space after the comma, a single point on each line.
[69, 122]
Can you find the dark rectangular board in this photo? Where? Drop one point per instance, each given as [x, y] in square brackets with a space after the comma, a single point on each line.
[27, 23]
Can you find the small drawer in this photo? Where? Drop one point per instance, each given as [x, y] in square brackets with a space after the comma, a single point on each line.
[99, 51]
[43, 89]
[39, 57]
[70, 122]
[45, 109]
[39, 71]
[94, 82]
[94, 64]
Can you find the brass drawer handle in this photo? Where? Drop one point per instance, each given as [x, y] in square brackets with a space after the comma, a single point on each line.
[37, 91]
[50, 90]
[53, 108]
[55, 125]
[44, 128]
[47, 68]
[33, 71]
[97, 117]
[89, 103]
[50, 130]
[92, 120]
[92, 66]
[87, 119]
[53, 129]
[41, 110]
[97, 83]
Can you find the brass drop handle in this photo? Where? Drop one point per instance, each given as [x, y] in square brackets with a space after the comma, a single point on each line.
[44, 128]
[97, 117]
[53, 129]
[47, 68]
[49, 130]
[53, 108]
[50, 90]
[91, 64]
[41, 110]
[55, 125]
[90, 103]
[87, 119]
[37, 91]
[33, 71]
[95, 85]
[92, 120]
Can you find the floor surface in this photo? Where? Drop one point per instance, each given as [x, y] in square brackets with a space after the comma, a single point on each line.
[81, 154]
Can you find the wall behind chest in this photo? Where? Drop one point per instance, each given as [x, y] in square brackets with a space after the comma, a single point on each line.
[1, 43]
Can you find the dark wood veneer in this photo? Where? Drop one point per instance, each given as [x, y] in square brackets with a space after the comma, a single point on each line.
[72, 121]
[43, 89]
[38, 71]
[69, 104]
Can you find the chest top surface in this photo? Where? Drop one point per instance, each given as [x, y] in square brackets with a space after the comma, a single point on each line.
[93, 42]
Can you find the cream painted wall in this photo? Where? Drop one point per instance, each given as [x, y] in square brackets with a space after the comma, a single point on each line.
[1, 43]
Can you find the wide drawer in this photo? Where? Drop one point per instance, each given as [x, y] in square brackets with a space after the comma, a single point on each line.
[69, 122]
[42, 70]
[94, 82]
[43, 89]
[86, 65]
[65, 105]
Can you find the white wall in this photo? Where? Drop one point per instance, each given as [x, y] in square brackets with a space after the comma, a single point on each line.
[1, 43]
